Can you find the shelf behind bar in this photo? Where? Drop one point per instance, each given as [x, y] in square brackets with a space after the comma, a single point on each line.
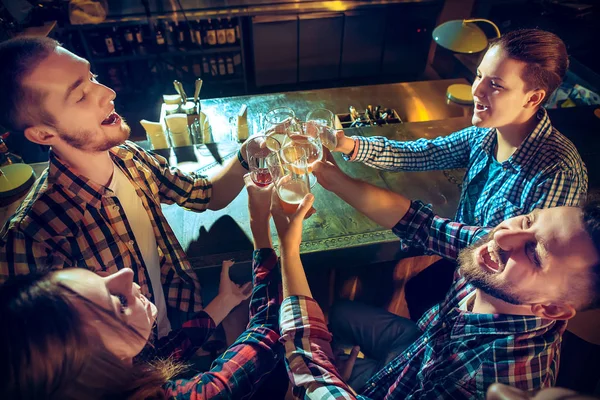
[178, 53]
[252, 9]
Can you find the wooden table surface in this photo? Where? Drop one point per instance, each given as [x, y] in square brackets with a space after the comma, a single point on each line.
[336, 232]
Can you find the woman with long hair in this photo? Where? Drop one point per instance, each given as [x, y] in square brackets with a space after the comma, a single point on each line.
[71, 334]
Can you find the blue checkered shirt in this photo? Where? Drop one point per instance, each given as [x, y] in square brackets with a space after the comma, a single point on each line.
[545, 171]
[458, 356]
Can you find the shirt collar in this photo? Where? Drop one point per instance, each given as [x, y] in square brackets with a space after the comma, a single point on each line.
[529, 146]
[81, 189]
[466, 323]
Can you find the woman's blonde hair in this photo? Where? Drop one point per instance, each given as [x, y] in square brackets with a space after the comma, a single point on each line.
[49, 352]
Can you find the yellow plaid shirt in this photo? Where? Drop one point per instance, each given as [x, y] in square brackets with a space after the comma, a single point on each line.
[69, 221]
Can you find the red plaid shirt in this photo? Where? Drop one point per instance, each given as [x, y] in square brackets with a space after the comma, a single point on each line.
[248, 361]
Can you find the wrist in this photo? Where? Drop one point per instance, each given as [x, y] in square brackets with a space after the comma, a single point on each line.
[261, 233]
[289, 249]
[227, 301]
[348, 145]
[340, 184]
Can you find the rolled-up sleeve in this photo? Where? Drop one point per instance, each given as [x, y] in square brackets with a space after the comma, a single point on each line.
[438, 235]
[308, 353]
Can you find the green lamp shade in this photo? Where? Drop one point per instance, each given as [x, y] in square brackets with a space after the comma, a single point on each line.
[460, 37]
[15, 181]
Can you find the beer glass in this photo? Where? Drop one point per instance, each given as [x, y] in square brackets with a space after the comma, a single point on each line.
[321, 122]
[257, 151]
[277, 121]
[290, 178]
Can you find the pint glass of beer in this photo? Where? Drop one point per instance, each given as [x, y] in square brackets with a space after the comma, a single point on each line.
[290, 178]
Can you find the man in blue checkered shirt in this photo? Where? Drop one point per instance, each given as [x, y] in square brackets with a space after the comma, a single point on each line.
[516, 162]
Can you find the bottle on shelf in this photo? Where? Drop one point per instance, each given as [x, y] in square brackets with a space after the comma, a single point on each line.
[198, 33]
[114, 78]
[221, 33]
[197, 68]
[182, 31]
[170, 34]
[237, 61]
[205, 67]
[230, 32]
[159, 37]
[192, 34]
[117, 41]
[238, 32]
[222, 68]
[129, 44]
[110, 44]
[211, 34]
[139, 40]
[229, 63]
[214, 69]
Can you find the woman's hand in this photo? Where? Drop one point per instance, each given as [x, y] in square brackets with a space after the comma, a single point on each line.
[233, 293]
[289, 227]
[259, 200]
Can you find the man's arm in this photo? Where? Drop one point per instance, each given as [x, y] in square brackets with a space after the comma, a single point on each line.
[381, 205]
[227, 183]
[409, 220]
[21, 255]
[443, 152]
[304, 332]
[250, 359]
[307, 343]
[194, 191]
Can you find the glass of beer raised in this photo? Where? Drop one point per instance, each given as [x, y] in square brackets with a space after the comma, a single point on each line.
[290, 178]
[277, 121]
[322, 121]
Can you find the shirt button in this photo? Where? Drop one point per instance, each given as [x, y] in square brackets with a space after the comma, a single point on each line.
[373, 384]
[131, 242]
[116, 208]
[390, 369]
[425, 340]
[443, 325]
[408, 354]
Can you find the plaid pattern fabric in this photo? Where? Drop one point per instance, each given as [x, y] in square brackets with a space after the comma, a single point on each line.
[438, 235]
[69, 221]
[309, 359]
[181, 344]
[238, 372]
[459, 355]
[545, 171]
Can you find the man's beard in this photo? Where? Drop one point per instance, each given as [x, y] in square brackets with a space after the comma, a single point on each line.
[84, 140]
[483, 280]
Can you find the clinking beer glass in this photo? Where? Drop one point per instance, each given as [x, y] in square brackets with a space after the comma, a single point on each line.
[290, 177]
